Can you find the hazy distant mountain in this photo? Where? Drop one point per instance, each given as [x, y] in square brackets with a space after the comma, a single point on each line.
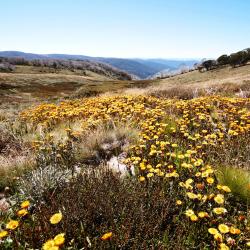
[142, 68]
[28, 56]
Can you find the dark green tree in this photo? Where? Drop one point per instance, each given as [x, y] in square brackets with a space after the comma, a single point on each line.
[223, 60]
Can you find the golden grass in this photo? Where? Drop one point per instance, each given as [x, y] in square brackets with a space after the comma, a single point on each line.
[12, 168]
[225, 81]
[104, 141]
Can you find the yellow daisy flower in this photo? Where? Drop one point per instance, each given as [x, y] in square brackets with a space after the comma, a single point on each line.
[25, 204]
[218, 237]
[223, 246]
[12, 224]
[219, 210]
[56, 218]
[22, 212]
[223, 228]
[193, 217]
[141, 178]
[189, 212]
[50, 245]
[59, 239]
[234, 230]
[219, 198]
[213, 231]
[107, 236]
[3, 234]
[178, 202]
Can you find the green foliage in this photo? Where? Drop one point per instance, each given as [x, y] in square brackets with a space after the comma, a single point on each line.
[223, 60]
[238, 180]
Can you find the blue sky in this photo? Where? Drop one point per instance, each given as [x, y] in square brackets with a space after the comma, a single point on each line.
[126, 28]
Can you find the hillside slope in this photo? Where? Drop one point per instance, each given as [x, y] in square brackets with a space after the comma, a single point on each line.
[35, 84]
[141, 68]
[221, 75]
[227, 80]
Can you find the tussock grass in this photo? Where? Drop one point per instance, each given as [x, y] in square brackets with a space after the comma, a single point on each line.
[237, 179]
[15, 158]
[11, 168]
[104, 141]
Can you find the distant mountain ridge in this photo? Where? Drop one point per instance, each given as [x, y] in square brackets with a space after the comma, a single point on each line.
[140, 68]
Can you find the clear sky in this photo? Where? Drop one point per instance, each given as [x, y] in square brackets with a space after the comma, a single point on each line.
[126, 28]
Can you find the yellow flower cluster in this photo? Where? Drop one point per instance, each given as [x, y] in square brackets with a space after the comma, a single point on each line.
[14, 224]
[174, 136]
[59, 239]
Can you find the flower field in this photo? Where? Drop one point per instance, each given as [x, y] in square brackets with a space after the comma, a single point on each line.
[175, 199]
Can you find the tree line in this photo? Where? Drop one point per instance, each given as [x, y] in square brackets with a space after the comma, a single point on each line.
[237, 59]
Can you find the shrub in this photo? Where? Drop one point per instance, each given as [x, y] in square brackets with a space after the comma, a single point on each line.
[238, 59]
[140, 216]
[223, 60]
[35, 184]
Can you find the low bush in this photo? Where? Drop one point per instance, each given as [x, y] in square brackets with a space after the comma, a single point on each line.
[139, 215]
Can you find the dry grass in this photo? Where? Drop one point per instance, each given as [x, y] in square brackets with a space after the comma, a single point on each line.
[11, 168]
[15, 158]
[105, 141]
[225, 81]
[33, 84]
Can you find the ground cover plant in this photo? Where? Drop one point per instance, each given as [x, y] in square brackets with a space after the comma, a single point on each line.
[179, 196]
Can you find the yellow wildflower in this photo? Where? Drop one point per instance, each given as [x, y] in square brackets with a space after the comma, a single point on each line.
[25, 204]
[22, 212]
[141, 178]
[203, 214]
[219, 198]
[226, 189]
[234, 230]
[223, 246]
[223, 228]
[56, 218]
[210, 180]
[213, 230]
[219, 210]
[3, 234]
[178, 202]
[189, 212]
[149, 175]
[107, 236]
[193, 217]
[218, 237]
[59, 239]
[50, 245]
[12, 224]
[191, 195]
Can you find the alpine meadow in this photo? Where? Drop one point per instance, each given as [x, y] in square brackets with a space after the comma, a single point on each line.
[125, 125]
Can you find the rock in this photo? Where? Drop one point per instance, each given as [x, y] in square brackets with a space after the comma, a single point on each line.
[115, 164]
[4, 205]
[243, 94]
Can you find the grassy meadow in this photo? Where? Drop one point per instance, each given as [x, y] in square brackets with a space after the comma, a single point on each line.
[184, 142]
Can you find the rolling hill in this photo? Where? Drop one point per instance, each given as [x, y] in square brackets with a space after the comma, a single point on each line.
[139, 68]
